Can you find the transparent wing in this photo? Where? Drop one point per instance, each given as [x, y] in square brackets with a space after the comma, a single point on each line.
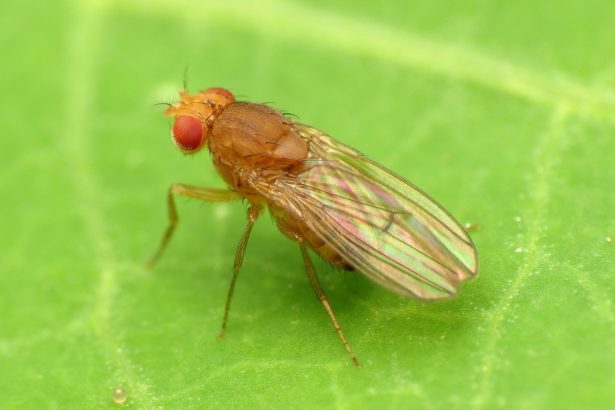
[381, 224]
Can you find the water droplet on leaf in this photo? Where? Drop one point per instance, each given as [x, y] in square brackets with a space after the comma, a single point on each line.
[119, 395]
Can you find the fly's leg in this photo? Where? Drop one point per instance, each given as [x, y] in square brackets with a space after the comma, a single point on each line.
[311, 274]
[203, 194]
[253, 213]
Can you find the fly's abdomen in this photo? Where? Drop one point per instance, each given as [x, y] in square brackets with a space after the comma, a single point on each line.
[296, 229]
[325, 250]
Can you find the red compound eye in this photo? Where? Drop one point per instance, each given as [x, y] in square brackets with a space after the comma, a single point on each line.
[188, 133]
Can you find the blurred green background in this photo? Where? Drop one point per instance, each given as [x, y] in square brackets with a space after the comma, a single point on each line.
[503, 111]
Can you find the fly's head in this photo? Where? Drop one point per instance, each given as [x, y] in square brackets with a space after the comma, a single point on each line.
[194, 116]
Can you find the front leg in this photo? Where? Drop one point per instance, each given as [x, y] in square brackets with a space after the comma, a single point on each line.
[202, 194]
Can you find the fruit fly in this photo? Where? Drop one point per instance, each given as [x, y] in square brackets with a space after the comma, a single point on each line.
[323, 195]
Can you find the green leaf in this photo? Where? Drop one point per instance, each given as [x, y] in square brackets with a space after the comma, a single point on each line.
[503, 112]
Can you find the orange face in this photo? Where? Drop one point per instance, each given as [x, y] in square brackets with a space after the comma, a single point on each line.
[194, 115]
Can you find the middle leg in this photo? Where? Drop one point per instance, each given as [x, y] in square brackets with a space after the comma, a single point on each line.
[253, 213]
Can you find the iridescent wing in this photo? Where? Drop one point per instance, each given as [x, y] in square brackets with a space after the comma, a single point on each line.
[382, 225]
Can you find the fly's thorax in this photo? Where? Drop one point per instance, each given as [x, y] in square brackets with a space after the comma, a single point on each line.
[249, 137]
